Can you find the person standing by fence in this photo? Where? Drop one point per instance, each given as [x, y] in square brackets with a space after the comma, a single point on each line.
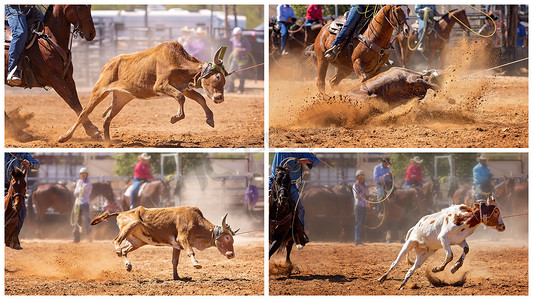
[82, 210]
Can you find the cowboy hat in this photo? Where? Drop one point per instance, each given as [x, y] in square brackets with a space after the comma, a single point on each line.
[417, 160]
[144, 156]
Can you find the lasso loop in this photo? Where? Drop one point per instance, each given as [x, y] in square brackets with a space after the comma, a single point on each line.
[426, 18]
[469, 28]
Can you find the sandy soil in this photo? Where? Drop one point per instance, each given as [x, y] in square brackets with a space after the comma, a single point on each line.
[470, 111]
[59, 267]
[492, 268]
[142, 123]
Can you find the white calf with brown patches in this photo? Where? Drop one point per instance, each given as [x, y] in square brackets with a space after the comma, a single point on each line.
[450, 226]
[182, 228]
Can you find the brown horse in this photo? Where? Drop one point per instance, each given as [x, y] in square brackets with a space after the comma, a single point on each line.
[150, 197]
[464, 195]
[13, 203]
[56, 196]
[368, 56]
[503, 192]
[50, 58]
[436, 40]
[329, 212]
[104, 190]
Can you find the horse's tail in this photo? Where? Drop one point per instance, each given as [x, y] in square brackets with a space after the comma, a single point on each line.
[103, 216]
[310, 55]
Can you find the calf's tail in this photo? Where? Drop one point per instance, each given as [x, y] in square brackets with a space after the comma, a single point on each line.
[103, 216]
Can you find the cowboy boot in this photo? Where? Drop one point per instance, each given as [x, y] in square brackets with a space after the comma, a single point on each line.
[332, 52]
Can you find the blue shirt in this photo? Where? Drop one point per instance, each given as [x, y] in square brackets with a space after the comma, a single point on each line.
[284, 11]
[379, 174]
[283, 159]
[480, 174]
[12, 160]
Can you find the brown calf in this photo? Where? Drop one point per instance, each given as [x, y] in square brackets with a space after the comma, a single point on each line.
[166, 69]
[180, 227]
[396, 84]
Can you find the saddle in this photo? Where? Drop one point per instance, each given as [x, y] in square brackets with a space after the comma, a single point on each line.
[127, 192]
[337, 24]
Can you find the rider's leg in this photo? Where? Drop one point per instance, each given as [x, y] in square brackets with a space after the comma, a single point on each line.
[134, 191]
[284, 30]
[420, 31]
[19, 31]
[354, 16]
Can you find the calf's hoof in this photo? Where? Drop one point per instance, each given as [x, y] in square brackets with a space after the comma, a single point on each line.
[382, 278]
[436, 269]
[128, 267]
[175, 119]
[455, 268]
[197, 266]
[63, 138]
[210, 122]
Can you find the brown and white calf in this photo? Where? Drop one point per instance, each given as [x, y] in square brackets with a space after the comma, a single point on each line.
[450, 226]
[182, 228]
[166, 69]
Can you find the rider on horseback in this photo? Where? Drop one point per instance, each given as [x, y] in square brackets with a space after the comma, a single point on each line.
[142, 174]
[17, 16]
[285, 17]
[413, 174]
[12, 161]
[383, 177]
[420, 10]
[482, 178]
[358, 15]
[314, 15]
[295, 163]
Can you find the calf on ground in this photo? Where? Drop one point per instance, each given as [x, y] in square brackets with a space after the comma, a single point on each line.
[396, 84]
[450, 226]
[182, 228]
[166, 69]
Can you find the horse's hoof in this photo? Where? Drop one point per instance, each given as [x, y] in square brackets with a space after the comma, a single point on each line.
[175, 119]
[436, 269]
[210, 122]
[299, 247]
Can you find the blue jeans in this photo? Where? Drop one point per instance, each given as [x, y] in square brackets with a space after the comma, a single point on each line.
[135, 190]
[420, 26]
[19, 32]
[84, 220]
[360, 215]
[284, 30]
[310, 22]
[351, 21]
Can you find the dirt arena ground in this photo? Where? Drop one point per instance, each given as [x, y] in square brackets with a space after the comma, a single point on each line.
[142, 123]
[492, 268]
[470, 111]
[59, 267]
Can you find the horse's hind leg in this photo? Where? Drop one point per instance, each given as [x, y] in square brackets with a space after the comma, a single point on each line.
[96, 97]
[119, 100]
[67, 90]
[289, 249]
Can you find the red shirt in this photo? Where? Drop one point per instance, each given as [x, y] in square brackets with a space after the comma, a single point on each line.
[142, 171]
[314, 12]
[417, 172]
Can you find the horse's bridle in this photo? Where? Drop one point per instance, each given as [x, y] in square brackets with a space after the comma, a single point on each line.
[484, 217]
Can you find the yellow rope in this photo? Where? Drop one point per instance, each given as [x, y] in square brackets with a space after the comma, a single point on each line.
[76, 210]
[479, 34]
[426, 17]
